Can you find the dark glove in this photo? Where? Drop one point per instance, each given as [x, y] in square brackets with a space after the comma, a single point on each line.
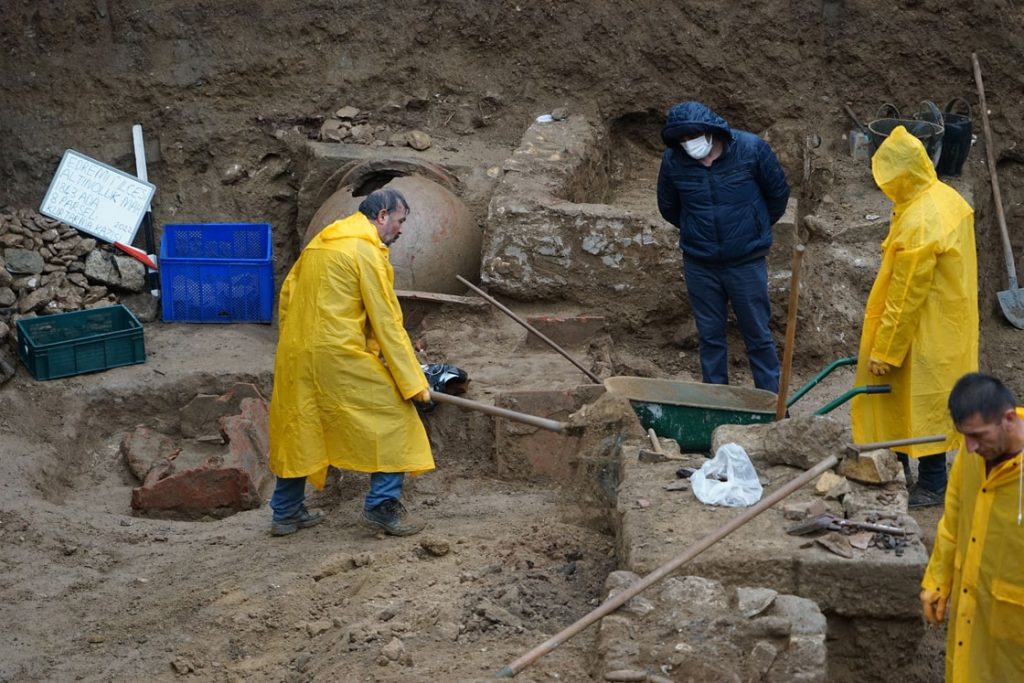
[443, 378]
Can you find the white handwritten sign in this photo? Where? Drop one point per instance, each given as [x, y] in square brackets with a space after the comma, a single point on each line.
[98, 199]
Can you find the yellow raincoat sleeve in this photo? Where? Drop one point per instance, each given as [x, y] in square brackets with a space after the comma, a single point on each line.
[939, 574]
[911, 280]
[385, 316]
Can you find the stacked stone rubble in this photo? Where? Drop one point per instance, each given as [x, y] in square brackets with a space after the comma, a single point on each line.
[49, 267]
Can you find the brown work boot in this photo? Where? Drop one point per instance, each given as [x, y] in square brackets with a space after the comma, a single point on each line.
[392, 518]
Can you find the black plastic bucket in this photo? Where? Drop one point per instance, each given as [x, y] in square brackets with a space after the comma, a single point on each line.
[930, 134]
[957, 140]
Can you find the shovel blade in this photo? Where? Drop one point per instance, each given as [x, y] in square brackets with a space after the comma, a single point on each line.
[1012, 303]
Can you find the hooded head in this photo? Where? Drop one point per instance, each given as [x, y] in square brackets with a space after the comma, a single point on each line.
[901, 167]
[687, 119]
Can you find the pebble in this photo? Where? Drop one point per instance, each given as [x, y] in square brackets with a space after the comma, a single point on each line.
[626, 675]
[438, 547]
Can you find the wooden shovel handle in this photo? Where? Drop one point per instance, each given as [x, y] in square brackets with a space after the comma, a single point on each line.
[787, 352]
[997, 197]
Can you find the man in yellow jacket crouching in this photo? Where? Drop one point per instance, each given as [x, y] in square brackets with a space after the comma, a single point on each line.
[977, 564]
[345, 373]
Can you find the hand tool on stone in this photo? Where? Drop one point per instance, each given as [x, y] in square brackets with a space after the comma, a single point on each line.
[1011, 300]
[667, 569]
[530, 328]
[855, 449]
[787, 352]
[829, 522]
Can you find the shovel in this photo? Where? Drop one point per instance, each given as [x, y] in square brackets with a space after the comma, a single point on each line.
[829, 522]
[1011, 300]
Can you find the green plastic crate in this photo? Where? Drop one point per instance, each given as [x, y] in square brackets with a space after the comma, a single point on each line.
[75, 343]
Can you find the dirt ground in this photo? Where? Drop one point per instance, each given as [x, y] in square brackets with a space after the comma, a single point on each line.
[91, 592]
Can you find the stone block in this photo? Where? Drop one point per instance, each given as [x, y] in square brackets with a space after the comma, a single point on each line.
[801, 441]
[200, 416]
[565, 331]
[873, 585]
[888, 500]
[548, 237]
[526, 452]
[879, 466]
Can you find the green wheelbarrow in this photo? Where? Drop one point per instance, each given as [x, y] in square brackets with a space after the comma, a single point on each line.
[689, 411]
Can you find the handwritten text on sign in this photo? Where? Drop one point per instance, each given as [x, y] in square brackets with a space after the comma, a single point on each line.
[98, 199]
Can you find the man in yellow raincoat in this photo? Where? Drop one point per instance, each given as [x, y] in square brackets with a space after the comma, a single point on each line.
[921, 322]
[977, 564]
[345, 373]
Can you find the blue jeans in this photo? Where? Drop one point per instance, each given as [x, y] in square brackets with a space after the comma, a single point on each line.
[290, 494]
[710, 290]
[931, 471]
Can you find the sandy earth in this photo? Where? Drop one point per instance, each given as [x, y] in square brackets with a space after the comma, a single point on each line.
[91, 592]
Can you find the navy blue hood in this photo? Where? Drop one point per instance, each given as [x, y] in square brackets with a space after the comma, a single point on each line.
[692, 118]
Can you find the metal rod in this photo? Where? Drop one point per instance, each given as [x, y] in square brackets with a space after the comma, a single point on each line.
[787, 352]
[666, 569]
[817, 378]
[532, 420]
[862, 447]
[997, 197]
[497, 304]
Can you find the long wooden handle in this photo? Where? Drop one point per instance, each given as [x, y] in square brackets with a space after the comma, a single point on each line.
[997, 197]
[504, 309]
[665, 570]
[532, 420]
[787, 352]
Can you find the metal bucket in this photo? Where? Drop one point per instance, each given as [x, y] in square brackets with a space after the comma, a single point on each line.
[956, 142]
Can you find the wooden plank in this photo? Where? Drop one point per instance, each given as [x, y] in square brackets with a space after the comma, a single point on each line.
[440, 298]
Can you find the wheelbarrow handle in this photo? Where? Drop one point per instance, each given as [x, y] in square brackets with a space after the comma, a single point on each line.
[869, 389]
[850, 360]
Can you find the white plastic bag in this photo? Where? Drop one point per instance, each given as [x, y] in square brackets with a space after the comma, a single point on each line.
[740, 488]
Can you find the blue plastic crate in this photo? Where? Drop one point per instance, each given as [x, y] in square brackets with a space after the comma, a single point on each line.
[217, 273]
[92, 340]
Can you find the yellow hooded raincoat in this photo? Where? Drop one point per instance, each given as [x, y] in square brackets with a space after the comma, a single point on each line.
[922, 314]
[335, 402]
[978, 562]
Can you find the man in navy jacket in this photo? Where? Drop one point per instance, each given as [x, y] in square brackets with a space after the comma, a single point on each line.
[723, 189]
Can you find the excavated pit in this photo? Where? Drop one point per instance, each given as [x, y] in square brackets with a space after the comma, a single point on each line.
[232, 112]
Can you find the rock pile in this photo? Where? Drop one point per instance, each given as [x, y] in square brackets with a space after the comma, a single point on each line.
[49, 267]
[349, 124]
[693, 628]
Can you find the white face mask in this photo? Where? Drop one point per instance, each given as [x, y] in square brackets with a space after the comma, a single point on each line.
[698, 148]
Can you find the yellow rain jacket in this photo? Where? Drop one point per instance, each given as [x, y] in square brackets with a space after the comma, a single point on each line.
[335, 401]
[978, 562]
[922, 313]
